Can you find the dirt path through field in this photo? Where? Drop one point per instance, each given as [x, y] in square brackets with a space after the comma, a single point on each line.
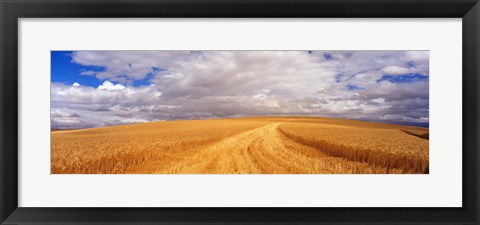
[236, 154]
[256, 151]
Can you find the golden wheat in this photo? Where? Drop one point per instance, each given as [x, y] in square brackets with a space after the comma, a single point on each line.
[120, 149]
[261, 145]
[377, 144]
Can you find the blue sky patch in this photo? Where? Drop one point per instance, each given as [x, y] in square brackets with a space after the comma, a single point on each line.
[405, 78]
[337, 78]
[411, 64]
[63, 70]
[327, 56]
[146, 81]
[352, 87]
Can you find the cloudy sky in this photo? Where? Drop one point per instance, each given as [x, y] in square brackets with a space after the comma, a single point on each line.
[101, 88]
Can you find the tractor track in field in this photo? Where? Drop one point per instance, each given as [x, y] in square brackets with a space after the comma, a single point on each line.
[258, 151]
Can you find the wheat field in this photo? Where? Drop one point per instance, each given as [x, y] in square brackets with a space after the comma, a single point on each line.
[254, 145]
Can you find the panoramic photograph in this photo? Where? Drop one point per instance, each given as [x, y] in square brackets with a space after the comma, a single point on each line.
[240, 112]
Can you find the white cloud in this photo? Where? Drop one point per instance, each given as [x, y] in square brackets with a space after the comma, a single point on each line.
[395, 70]
[418, 56]
[65, 119]
[379, 100]
[109, 86]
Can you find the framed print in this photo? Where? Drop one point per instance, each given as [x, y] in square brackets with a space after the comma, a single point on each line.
[256, 112]
[186, 123]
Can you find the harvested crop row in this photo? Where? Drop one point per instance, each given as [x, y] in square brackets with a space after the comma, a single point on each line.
[388, 148]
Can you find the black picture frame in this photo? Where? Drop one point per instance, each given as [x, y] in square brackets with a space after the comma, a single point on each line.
[12, 10]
